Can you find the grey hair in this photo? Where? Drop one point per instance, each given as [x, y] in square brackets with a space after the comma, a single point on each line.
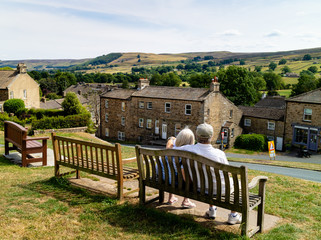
[185, 137]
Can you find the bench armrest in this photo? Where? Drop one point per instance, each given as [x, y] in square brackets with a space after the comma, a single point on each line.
[256, 180]
[36, 138]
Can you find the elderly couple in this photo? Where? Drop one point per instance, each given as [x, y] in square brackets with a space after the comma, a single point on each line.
[185, 141]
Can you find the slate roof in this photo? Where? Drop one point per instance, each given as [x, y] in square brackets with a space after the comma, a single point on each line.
[6, 78]
[119, 93]
[272, 102]
[263, 112]
[52, 104]
[313, 96]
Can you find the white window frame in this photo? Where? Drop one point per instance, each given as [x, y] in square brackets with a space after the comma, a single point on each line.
[141, 122]
[168, 109]
[156, 126]
[305, 114]
[121, 136]
[247, 122]
[141, 104]
[186, 109]
[231, 113]
[25, 93]
[149, 105]
[106, 103]
[232, 132]
[107, 132]
[106, 117]
[123, 106]
[11, 96]
[122, 121]
[149, 123]
[270, 124]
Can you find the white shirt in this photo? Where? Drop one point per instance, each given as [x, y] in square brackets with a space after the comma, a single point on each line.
[208, 151]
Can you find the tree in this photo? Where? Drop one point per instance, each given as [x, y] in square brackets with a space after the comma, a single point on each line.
[306, 82]
[258, 68]
[272, 66]
[125, 84]
[282, 61]
[64, 80]
[242, 62]
[237, 84]
[171, 79]
[285, 70]
[259, 82]
[71, 104]
[313, 69]
[306, 57]
[273, 81]
[200, 80]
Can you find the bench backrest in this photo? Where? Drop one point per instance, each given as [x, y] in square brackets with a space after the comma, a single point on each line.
[14, 133]
[90, 157]
[152, 162]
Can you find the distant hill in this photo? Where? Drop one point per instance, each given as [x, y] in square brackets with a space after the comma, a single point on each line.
[123, 62]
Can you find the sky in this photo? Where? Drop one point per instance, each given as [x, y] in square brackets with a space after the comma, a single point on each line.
[76, 29]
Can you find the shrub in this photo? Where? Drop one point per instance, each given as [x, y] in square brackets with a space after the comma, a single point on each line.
[256, 142]
[71, 104]
[13, 105]
[80, 120]
[5, 117]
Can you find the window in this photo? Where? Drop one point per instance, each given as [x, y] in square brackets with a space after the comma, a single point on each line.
[247, 122]
[25, 94]
[156, 126]
[231, 113]
[271, 126]
[188, 109]
[123, 106]
[123, 121]
[11, 95]
[107, 132]
[149, 105]
[106, 117]
[106, 103]
[121, 136]
[149, 123]
[232, 132]
[301, 135]
[141, 104]
[141, 122]
[307, 115]
[1, 108]
[167, 107]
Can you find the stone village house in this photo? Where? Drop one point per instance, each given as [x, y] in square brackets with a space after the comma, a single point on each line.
[266, 117]
[303, 120]
[152, 113]
[18, 84]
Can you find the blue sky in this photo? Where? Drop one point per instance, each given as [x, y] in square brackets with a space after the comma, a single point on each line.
[74, 29]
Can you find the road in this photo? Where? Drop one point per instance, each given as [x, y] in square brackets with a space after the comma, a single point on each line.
[292, 172]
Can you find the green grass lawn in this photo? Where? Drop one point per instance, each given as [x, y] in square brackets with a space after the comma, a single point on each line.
[35, 205]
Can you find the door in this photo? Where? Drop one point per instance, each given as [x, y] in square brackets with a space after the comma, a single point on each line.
[313, 140]
[156, 127]
[164, 131]
[279, 143]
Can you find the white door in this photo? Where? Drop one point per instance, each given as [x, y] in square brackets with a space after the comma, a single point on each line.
[156, 126]
[164, 131]
[279, 143]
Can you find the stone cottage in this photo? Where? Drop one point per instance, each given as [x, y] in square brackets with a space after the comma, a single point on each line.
[153, 113]
[18, 84]
[266, 117]
[303, 120]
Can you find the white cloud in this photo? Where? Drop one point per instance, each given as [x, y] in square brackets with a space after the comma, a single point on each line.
[274, 33]
[230, 32]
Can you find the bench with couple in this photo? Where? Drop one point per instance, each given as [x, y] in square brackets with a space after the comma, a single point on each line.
[185, 141]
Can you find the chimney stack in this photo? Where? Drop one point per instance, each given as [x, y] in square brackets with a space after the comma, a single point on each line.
[142, 83]
[215, 85]
[22, 68]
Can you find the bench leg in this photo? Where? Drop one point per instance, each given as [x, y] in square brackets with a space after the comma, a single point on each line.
[6, 148]
[161, 196]
[57, 172]
[120, 190]
[77, 174]
[142, 194]
[245, 222]
[44, 153]
[24, 158]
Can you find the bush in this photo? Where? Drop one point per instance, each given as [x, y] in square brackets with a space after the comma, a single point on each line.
[13, 105]
[70, 121]
[255, 142]
[71, 104]
[5, 117]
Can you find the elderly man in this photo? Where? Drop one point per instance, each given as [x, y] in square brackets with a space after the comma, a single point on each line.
[204, 134]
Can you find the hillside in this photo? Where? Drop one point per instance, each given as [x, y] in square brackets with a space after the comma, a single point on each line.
[123, 62]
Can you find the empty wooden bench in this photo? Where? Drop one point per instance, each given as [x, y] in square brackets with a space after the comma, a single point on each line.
[239, 200]
[94, 158]
[16, 138]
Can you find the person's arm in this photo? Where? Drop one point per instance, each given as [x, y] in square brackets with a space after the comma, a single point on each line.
[170, 142]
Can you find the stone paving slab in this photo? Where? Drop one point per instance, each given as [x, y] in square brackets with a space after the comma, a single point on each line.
[109, 187]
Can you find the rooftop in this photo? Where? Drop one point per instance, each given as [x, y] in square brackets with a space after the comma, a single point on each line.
[263, 112]
[313, 96]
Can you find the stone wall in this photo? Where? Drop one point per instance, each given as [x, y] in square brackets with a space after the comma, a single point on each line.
[4, 95]
[77, 129]
[260, 126]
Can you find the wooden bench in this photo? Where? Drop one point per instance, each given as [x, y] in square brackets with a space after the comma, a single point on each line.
[239, 200]
[16, 135]
[98, 159]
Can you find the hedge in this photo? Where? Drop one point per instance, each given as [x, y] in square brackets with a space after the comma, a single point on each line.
[5, 117]
[255, 142]
[80, 120]
[39, 113]
[13, 105]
